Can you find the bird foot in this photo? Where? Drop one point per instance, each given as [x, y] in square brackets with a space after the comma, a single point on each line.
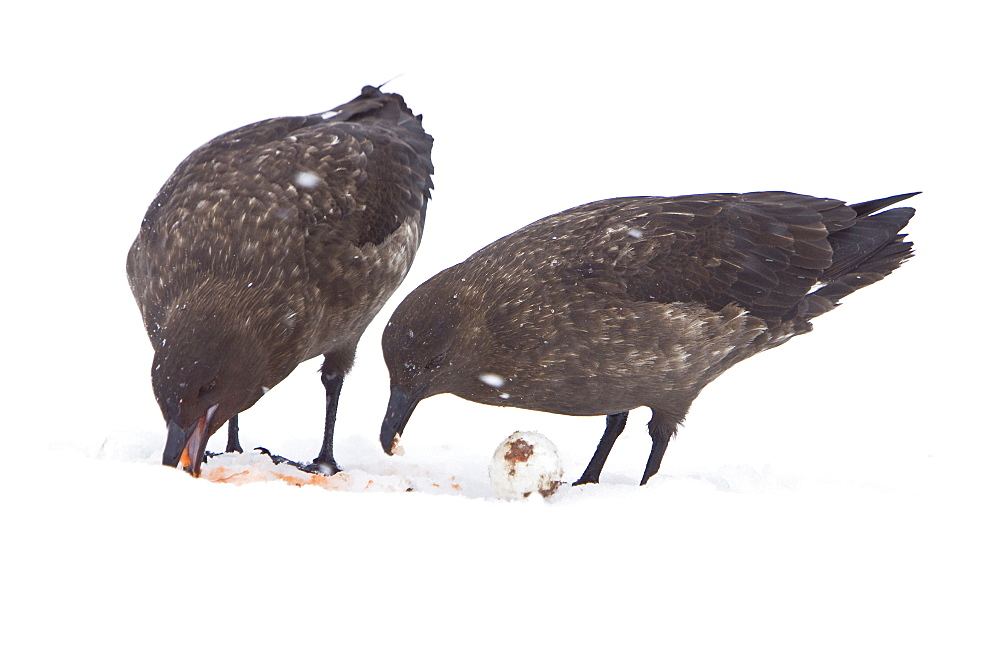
[229, 450]
[317, 466]
[321, 467]
[278, 459]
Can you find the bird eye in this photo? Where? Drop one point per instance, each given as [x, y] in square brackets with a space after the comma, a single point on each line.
[208, 387]
[436, 362]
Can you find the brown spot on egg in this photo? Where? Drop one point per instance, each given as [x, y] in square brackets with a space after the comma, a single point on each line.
[519, 451]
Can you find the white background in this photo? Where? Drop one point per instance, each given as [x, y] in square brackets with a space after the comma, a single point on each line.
[832, 501]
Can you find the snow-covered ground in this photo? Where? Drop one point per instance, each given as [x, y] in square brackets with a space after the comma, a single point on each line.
[832, 502]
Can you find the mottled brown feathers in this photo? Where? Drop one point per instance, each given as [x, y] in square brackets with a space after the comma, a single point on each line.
[763, 251]
[635, 301]
[275, 243]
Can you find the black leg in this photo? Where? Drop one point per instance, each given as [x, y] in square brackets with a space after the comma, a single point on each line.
[233, 445]
[325, 463]
[616, 424]
[661, 432]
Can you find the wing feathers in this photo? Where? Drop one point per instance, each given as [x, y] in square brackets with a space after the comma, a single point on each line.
[766, 252]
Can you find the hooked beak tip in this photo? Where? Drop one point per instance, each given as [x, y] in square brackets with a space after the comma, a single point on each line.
[397, 414]
[187, 446]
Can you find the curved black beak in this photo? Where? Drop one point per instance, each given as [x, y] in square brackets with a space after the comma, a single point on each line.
[187, 446]
[397, 414]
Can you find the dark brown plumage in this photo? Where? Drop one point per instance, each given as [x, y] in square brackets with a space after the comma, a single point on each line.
[636, 301]
[270, 245]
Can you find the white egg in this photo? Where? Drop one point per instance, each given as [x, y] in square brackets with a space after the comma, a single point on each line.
[526, 462]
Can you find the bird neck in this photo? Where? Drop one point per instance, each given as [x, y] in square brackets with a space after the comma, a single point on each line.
[238, 317]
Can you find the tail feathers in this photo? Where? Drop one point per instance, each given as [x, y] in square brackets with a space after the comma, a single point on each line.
[863, 254]
[873, 243]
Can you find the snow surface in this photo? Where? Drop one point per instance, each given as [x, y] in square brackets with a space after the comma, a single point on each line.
[832, 502]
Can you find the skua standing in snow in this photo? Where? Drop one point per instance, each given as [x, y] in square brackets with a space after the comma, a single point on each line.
[268, 246]
[635, 301]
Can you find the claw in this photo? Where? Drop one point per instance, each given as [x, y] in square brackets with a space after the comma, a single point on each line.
[316, 466]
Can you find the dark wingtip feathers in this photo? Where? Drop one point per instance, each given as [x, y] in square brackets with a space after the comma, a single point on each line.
[373, 103]
[866, 208]
[863, 254]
